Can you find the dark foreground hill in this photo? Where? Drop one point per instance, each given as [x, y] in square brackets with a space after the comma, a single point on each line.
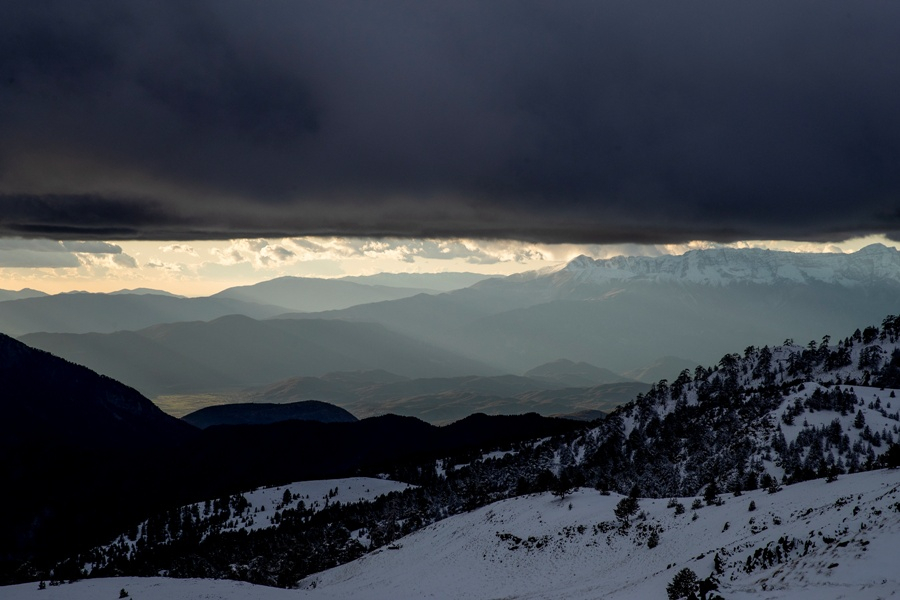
[48, 400]
[249, 413]
[68, 439]
[83, 456]
[67, 504]
[245, 456]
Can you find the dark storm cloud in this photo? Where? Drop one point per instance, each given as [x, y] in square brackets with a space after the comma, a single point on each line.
[577, 121]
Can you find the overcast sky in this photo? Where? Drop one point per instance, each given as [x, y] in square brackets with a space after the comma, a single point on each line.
[652, 122]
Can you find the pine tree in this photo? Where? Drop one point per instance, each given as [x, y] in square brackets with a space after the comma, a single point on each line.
[626, 508]
[683, 586]
[711, 493]
[891, 457]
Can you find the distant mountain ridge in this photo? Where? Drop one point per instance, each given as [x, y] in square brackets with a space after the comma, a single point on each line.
[31, 311]
[443, 282]
[141, 291]
[20, 294]
[726, 266]
[308, 294]
[446, 399]
[83, 312]
[624, 313]
[575, 374]
[236, 351]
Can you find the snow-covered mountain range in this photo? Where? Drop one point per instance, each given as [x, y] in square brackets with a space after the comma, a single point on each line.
[725, 266]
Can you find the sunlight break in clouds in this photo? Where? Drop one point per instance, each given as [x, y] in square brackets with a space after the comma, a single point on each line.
[205, 267]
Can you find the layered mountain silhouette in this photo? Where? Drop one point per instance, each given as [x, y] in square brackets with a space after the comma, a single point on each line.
[446, 399]
[574, 374]
[142, 291]
[20, 294]
[306, 294]
[237, 351]
[436, 282]
[627, 312]
[622, 314]
[30, 311]
[82, 312]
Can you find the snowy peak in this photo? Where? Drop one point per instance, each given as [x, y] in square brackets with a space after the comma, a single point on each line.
[725, 266]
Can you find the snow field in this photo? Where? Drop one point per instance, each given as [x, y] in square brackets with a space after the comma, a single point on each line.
[536, 547]
[316, 495]
[845, 537]
[264, 503]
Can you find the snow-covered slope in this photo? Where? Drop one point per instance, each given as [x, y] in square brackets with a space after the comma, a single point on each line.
[242, 513]
[815, 539]
[810, 540]
[723, 266]
[147, 588]
[316, 495]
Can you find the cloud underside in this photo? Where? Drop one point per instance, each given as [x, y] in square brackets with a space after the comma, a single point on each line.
[45, 254]
[650, 122]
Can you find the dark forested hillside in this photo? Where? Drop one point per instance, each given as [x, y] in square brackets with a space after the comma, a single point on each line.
[68, 438]
[83, 456]
[51, 400]
[263, 413]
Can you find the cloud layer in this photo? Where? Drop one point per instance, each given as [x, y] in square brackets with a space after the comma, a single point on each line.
[642, 122]
[20, 253]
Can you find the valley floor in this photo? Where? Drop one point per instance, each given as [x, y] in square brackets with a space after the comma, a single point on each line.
[810, 540]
